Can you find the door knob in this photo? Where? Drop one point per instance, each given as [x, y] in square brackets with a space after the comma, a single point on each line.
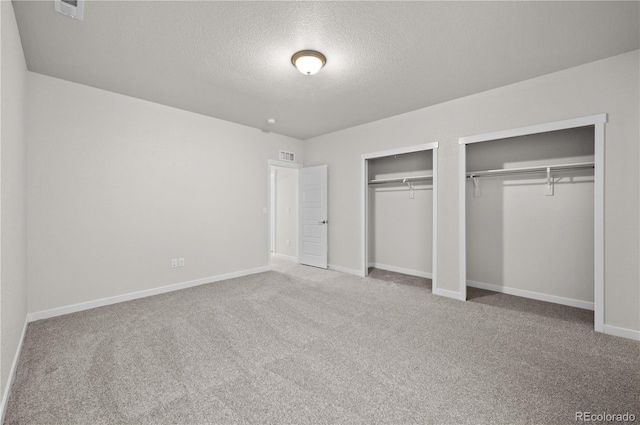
[322, 222]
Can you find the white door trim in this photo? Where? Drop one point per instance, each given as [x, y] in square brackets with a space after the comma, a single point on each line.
[463, 221]
[270, 207]
[598, 121]
[364, 202]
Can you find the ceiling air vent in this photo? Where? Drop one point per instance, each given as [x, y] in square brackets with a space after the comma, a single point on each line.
[72, 8]
[287, 156]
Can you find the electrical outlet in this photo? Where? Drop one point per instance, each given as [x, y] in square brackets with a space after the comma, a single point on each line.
[181, 262]
[174, 262]
[288, 242]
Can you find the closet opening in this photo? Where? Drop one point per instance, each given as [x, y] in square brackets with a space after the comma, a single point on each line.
[399, 204]
[532, 208]
[283, 210]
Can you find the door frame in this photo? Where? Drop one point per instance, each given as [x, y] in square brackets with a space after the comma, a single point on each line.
[271, 205]
[303, 258]
[364, 193]
[597, 121]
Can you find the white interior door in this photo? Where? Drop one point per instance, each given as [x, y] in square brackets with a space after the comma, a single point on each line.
[313, 216]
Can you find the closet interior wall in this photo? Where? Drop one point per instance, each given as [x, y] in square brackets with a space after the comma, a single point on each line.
[521, 237]
[401, 219]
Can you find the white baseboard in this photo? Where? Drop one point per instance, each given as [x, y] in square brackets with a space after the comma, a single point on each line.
[402, 270]
[344, 270]
[622, 332]
[45, 314]
[447, 293]
[286, 257]
[12, 371]
[533, 295]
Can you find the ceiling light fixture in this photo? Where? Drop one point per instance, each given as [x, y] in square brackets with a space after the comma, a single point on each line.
[308, 61]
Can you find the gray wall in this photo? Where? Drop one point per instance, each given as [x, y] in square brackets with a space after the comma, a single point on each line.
[118, 187]
[401, 228]
[517, 237]
[13, 249]
[610, 85]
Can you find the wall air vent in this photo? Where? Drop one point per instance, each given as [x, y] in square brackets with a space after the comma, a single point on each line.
[287, 156]
[71, 8]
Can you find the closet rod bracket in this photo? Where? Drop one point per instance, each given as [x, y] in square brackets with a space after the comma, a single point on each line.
[549, 186]
[411, 189]
[476, 186]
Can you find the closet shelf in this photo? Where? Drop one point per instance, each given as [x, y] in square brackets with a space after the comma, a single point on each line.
[401, 179]
[536, 169]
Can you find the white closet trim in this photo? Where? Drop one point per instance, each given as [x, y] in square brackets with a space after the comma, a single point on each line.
[364, 167]
[535, 129]
[400, 151]
[598, 121]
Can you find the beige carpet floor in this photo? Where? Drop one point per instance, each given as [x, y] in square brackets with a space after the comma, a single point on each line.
[299, 345]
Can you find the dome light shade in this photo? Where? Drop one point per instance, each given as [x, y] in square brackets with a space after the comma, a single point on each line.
[308, 61]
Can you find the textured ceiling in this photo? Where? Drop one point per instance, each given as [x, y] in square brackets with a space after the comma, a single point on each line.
[231, 60]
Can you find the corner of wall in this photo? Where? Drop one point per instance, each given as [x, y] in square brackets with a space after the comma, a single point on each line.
[13, 252]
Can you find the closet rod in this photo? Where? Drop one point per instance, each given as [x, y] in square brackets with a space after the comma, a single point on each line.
[401, 179]
[536, 169]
